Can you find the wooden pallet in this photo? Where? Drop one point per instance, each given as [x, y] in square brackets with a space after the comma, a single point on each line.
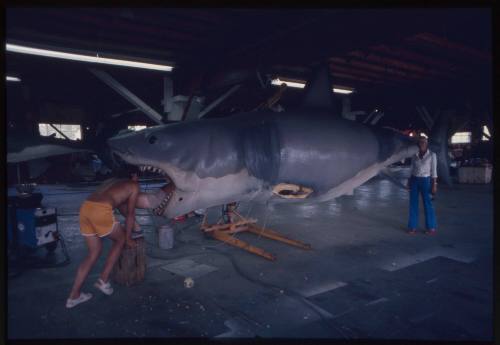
[225, 232]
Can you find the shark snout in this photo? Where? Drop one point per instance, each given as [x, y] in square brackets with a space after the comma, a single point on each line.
[120, 146]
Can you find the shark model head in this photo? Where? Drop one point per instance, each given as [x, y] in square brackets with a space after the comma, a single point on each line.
[149, 149]
[201, 163]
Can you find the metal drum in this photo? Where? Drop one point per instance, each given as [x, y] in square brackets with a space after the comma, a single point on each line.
[166, 237]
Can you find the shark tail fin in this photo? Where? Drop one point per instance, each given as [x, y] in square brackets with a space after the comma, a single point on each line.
[438, 143]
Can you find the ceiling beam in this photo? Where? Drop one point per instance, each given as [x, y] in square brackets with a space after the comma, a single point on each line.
[413, 56]
[329, 32]
[353, 77]
[384, 69]
[418, 71]
[452, 46]
[356, 70]
[468, 69]
[128, 95]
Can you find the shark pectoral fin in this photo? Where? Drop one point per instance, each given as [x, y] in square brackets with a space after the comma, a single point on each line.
[291, 191]
[390, 176]
[350, 192]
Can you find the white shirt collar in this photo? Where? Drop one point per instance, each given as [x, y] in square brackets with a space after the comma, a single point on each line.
[428, 152]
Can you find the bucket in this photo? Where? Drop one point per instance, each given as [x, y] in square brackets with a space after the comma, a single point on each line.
[166, 237]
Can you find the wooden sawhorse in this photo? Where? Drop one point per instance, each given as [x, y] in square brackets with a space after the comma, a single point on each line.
[225, 232]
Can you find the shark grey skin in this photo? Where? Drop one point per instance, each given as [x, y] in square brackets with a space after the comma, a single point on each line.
[22, 148]
[241, 158]
[244, 157]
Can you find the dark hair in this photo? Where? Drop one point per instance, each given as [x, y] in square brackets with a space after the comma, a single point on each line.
[127, 171]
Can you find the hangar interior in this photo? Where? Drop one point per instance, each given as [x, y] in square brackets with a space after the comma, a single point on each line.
[77, 77]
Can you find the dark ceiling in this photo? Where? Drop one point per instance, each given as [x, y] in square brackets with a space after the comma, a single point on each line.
[376, 51]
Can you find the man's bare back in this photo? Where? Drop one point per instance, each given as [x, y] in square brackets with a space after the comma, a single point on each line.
[114, 192]
[121, 194]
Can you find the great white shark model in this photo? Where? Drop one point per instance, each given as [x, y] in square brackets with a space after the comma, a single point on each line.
[301, 155]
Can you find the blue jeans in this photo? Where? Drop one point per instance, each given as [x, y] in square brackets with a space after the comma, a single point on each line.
[421, 185]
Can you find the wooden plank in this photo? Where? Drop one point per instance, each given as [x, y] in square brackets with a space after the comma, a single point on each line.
[222, 236]
[223, 232]
[236, 229]
[277, 236]
[225, 227]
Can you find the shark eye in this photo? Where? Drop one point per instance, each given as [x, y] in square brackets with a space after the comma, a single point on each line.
[152, 139]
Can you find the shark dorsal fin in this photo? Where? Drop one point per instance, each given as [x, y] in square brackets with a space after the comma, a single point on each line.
[318, 90]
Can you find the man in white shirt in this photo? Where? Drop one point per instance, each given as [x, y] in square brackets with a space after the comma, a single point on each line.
[423, 181]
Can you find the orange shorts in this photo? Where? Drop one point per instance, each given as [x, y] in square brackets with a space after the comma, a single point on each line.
[96, 219]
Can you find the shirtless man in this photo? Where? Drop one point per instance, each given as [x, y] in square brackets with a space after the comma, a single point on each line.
[97, 221]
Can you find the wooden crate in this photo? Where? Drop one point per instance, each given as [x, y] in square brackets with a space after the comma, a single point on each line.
[474, 174]
[130, 269]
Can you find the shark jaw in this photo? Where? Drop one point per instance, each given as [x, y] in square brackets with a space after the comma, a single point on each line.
[186, 191]
[159, 201]
[168, 189]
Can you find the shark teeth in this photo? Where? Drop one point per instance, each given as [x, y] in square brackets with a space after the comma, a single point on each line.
[152, 169]
[159, 210]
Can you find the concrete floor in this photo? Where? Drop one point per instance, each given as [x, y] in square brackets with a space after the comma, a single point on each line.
[364, 278]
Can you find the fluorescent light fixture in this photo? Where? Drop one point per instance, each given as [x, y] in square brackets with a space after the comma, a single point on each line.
[137, 128]
[85, 58]
[301, 85]
[277, 81]
[9, 78]
[344, 91]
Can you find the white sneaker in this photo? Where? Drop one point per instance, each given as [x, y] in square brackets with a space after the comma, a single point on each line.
[84, 297]
[104, 287]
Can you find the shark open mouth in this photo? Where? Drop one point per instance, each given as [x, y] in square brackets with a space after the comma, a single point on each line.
[169, 188]
[153, 169]
[161, 208]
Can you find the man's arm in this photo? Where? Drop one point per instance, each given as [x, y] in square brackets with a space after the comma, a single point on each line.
[434, 173]
[130, 218]
[123, 211]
